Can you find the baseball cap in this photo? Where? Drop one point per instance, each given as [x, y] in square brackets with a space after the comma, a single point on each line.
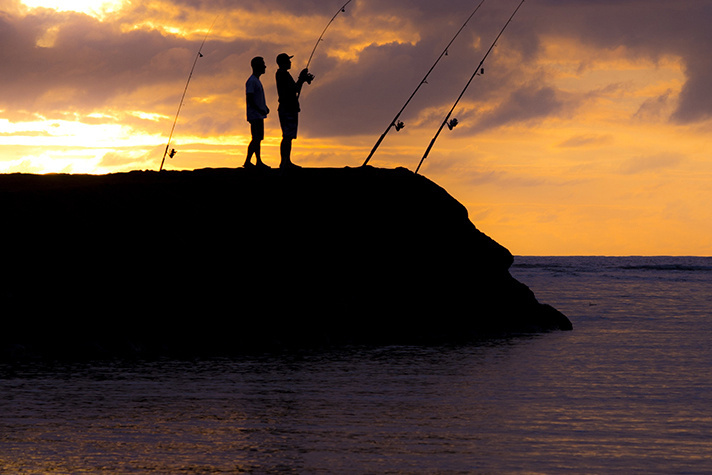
[282, 57]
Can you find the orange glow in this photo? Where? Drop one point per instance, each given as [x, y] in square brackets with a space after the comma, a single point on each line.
[97, 8]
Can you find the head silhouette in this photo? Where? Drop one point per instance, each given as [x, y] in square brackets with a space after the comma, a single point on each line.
[284, 61]
[258, 65]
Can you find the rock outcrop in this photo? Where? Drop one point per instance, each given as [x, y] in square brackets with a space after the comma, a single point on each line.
[223, 260]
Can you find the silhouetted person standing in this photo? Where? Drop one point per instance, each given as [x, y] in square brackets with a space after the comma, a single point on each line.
[257, 111]
[288, 91]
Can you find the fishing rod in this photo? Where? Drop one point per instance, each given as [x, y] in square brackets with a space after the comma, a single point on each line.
[478, 71]
[399, 125]
[180, 105]
[320, 39]
[340, 10]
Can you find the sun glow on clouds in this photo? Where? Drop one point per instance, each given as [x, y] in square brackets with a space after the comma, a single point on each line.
[96, 8]
[73, 146]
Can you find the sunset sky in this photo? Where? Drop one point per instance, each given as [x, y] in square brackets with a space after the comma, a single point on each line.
[589, 134]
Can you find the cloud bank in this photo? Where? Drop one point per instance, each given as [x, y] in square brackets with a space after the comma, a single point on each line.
[371, 58]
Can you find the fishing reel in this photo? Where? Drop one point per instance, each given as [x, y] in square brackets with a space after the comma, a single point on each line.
[306, 76]
[172, 153]
[399, 125]
[452, 123]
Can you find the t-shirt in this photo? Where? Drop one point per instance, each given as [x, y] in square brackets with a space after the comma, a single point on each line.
[254, 86]
[287, 91]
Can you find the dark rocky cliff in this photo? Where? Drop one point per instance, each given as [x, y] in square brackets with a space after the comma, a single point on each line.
[220, 260]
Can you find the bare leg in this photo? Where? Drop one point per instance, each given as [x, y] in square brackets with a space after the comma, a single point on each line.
[253, 149]
[285, 152]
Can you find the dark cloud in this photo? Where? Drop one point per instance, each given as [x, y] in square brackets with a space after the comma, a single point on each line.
[525, 104]
[86, 56]
[90, 63]
[696, 95]
[363, 97]
[651, 29]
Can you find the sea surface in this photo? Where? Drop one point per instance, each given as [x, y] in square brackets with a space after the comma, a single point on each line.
[628, 391]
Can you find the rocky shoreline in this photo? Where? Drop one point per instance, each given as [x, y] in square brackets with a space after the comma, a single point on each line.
[226, 260]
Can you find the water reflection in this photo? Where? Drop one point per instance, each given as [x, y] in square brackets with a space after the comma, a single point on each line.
[628, 390]
[386, 406]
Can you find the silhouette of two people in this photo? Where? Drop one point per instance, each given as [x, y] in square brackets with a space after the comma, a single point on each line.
[288, 91]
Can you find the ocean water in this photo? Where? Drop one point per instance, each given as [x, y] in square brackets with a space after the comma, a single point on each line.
[628, 391]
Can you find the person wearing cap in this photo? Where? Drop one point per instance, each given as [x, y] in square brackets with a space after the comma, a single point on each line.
[288, 91]
[257, 111]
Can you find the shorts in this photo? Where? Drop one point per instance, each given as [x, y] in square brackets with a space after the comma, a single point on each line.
[257, 128]
[289, 122]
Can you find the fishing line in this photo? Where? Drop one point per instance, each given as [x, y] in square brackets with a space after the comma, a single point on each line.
[180, 105]
[479, 70]
[320, 39]
[399, 125]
